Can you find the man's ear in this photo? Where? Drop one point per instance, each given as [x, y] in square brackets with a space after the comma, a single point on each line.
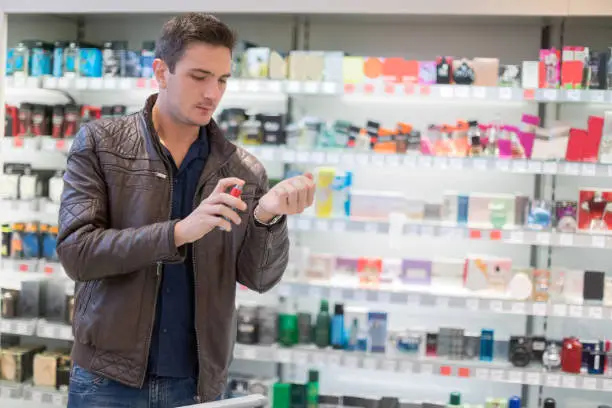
[161, 72]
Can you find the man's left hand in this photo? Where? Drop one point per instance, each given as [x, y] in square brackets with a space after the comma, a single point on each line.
[291, 196]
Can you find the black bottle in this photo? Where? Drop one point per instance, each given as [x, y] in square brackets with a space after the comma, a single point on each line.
[549, 403]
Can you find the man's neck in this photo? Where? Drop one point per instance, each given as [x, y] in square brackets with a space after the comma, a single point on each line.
[170, 132]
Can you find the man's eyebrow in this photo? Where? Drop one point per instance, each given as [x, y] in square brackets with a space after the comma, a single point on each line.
[206, 72]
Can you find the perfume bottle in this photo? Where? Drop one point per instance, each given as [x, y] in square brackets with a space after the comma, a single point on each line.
[71, 60]
[487, 343]
[596, 360]
[571, 356]
[552, 357]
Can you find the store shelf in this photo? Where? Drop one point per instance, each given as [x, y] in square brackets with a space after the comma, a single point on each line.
[42, 153]
[349, 158]
[51, 330]
[27, 392]
[425, 297]
[19, 327]
[465, 369]
[441, 230]
[239, 86]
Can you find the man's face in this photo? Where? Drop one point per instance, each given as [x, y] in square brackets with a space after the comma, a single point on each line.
[195, 88]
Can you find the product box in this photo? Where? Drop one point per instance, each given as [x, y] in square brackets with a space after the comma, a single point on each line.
[573, 286]
[377, 332]
[509, 76]
[486, 71]
[416, 272]
[332, 70]
[320, 267]
[369, 271]
[566, 216]
[595, 210]
[392, 269]
[90, 62]
[464, 72]
[447, 272]
[575, 73]
[273, 128]
[491, 210]
[540, 215]
[427, 72]
[605, 146]
[487, 273]
[550, 68]
[306, 65]
[530, 74]
[16, 363]
[352, 70]
[444, 70]
[256, 62]
[346, 268]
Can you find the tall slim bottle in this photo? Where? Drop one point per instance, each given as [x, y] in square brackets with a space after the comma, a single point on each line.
[322, 326]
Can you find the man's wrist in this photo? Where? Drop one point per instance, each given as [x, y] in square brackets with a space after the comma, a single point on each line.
[264, 216]
[179, 239]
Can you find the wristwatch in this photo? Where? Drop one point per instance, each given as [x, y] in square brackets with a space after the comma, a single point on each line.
[267, 224]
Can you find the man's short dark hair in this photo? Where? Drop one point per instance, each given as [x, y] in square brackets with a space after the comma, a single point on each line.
[180, 32]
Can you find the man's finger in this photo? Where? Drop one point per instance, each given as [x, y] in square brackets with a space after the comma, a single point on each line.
[226, 183]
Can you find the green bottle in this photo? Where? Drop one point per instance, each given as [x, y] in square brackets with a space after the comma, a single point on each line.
[281, 395]
[313, 389]
[322, 326]
[287, 325]
[455, 400]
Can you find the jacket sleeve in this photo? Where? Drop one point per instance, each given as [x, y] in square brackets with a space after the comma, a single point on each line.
[264, 254]
[87, 248]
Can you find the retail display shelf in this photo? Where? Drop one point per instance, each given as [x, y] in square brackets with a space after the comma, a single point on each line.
[27, 392]
[293, 87]
[43, 152]
[19, 327]
[36, 327]
[483, 164]
[466, 369]
[449, 231]
[426, 297]
[148, 84]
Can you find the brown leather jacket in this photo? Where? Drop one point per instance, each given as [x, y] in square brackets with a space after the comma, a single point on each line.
[115, 233]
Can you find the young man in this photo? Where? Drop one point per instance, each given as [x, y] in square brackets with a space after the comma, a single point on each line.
[155, 242]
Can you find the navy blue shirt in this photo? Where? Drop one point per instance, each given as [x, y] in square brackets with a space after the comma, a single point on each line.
[173, 345]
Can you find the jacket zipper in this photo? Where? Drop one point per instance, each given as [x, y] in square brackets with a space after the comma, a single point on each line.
[158, 276]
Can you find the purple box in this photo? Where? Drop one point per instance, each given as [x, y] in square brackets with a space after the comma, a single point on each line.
[346, 266]
[427, 72]
[415, 271]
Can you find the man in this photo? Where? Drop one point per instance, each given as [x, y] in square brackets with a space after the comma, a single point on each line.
[155, 242]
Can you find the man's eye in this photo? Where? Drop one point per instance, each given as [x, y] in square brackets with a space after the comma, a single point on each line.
[199, 78]
[223, 81]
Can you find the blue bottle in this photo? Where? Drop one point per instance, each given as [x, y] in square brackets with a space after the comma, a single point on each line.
[487, 344]
[514, 402]
[337, 327]
[58, 58]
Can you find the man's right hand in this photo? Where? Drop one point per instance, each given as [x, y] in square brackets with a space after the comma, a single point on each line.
[214, 211]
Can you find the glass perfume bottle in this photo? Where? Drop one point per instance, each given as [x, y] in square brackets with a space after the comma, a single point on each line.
[596, 361]
[552, 357]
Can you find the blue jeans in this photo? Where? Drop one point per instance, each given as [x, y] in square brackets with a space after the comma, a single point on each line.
[90, 390]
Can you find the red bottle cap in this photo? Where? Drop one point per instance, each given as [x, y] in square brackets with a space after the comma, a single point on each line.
[236, 191]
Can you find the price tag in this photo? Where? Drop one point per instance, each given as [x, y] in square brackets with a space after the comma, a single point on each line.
[335, 293]
[426, 369]
[589, 383]
[5, 392]
[37, 396]
[304, 224]
[442, 302]
[95, 83]
[311, 87]
[518, 308]
[392, 160]
[316, 292]
[339, 226]
[576, 311]
[414, 300]
[389, 365]
[378, 160]
[370, 363]
[300, 357]
[496, 306]
[406, 366]
[58, 399]
[533, 378]
[125, 83]
[351, 361]
[329, 88]
[598, 241]
[348, 294]
[80, 83]
[233, 85]
[502, 165]
[284, 356]
[249, 353]
[539, 309]
[497, 375]
[456, 164]
[479, 92]
[51, 82]
[22, 328]
[333, 158]
[274, 86]
[446, 92]
[427, 231]
[267, 154]
[550, 94]
[425, 161]
[348, 159]
[472, 304]
[462, 92]
[64, 83]
[362, 159]
[317, 157]
[543, 238]
[550, 168]
[371, 227]
[293, 87]
[534, 167]
[505, 93]
[596, 312]
[573, 95]
[321, 225]
[251, 86]
[288, 156]
[411, 162]
[479, 164]
[572, 169]
[110, 83]
[384, 297]
[515, 377]
[360, 295]
[589, 169]
[517, 236]
[569, 381]
[607, 385]
[482, 374]
[303, 157]
[519, 166]
[566, 239]
[335, 359]
[597, 96]
[559, 310]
